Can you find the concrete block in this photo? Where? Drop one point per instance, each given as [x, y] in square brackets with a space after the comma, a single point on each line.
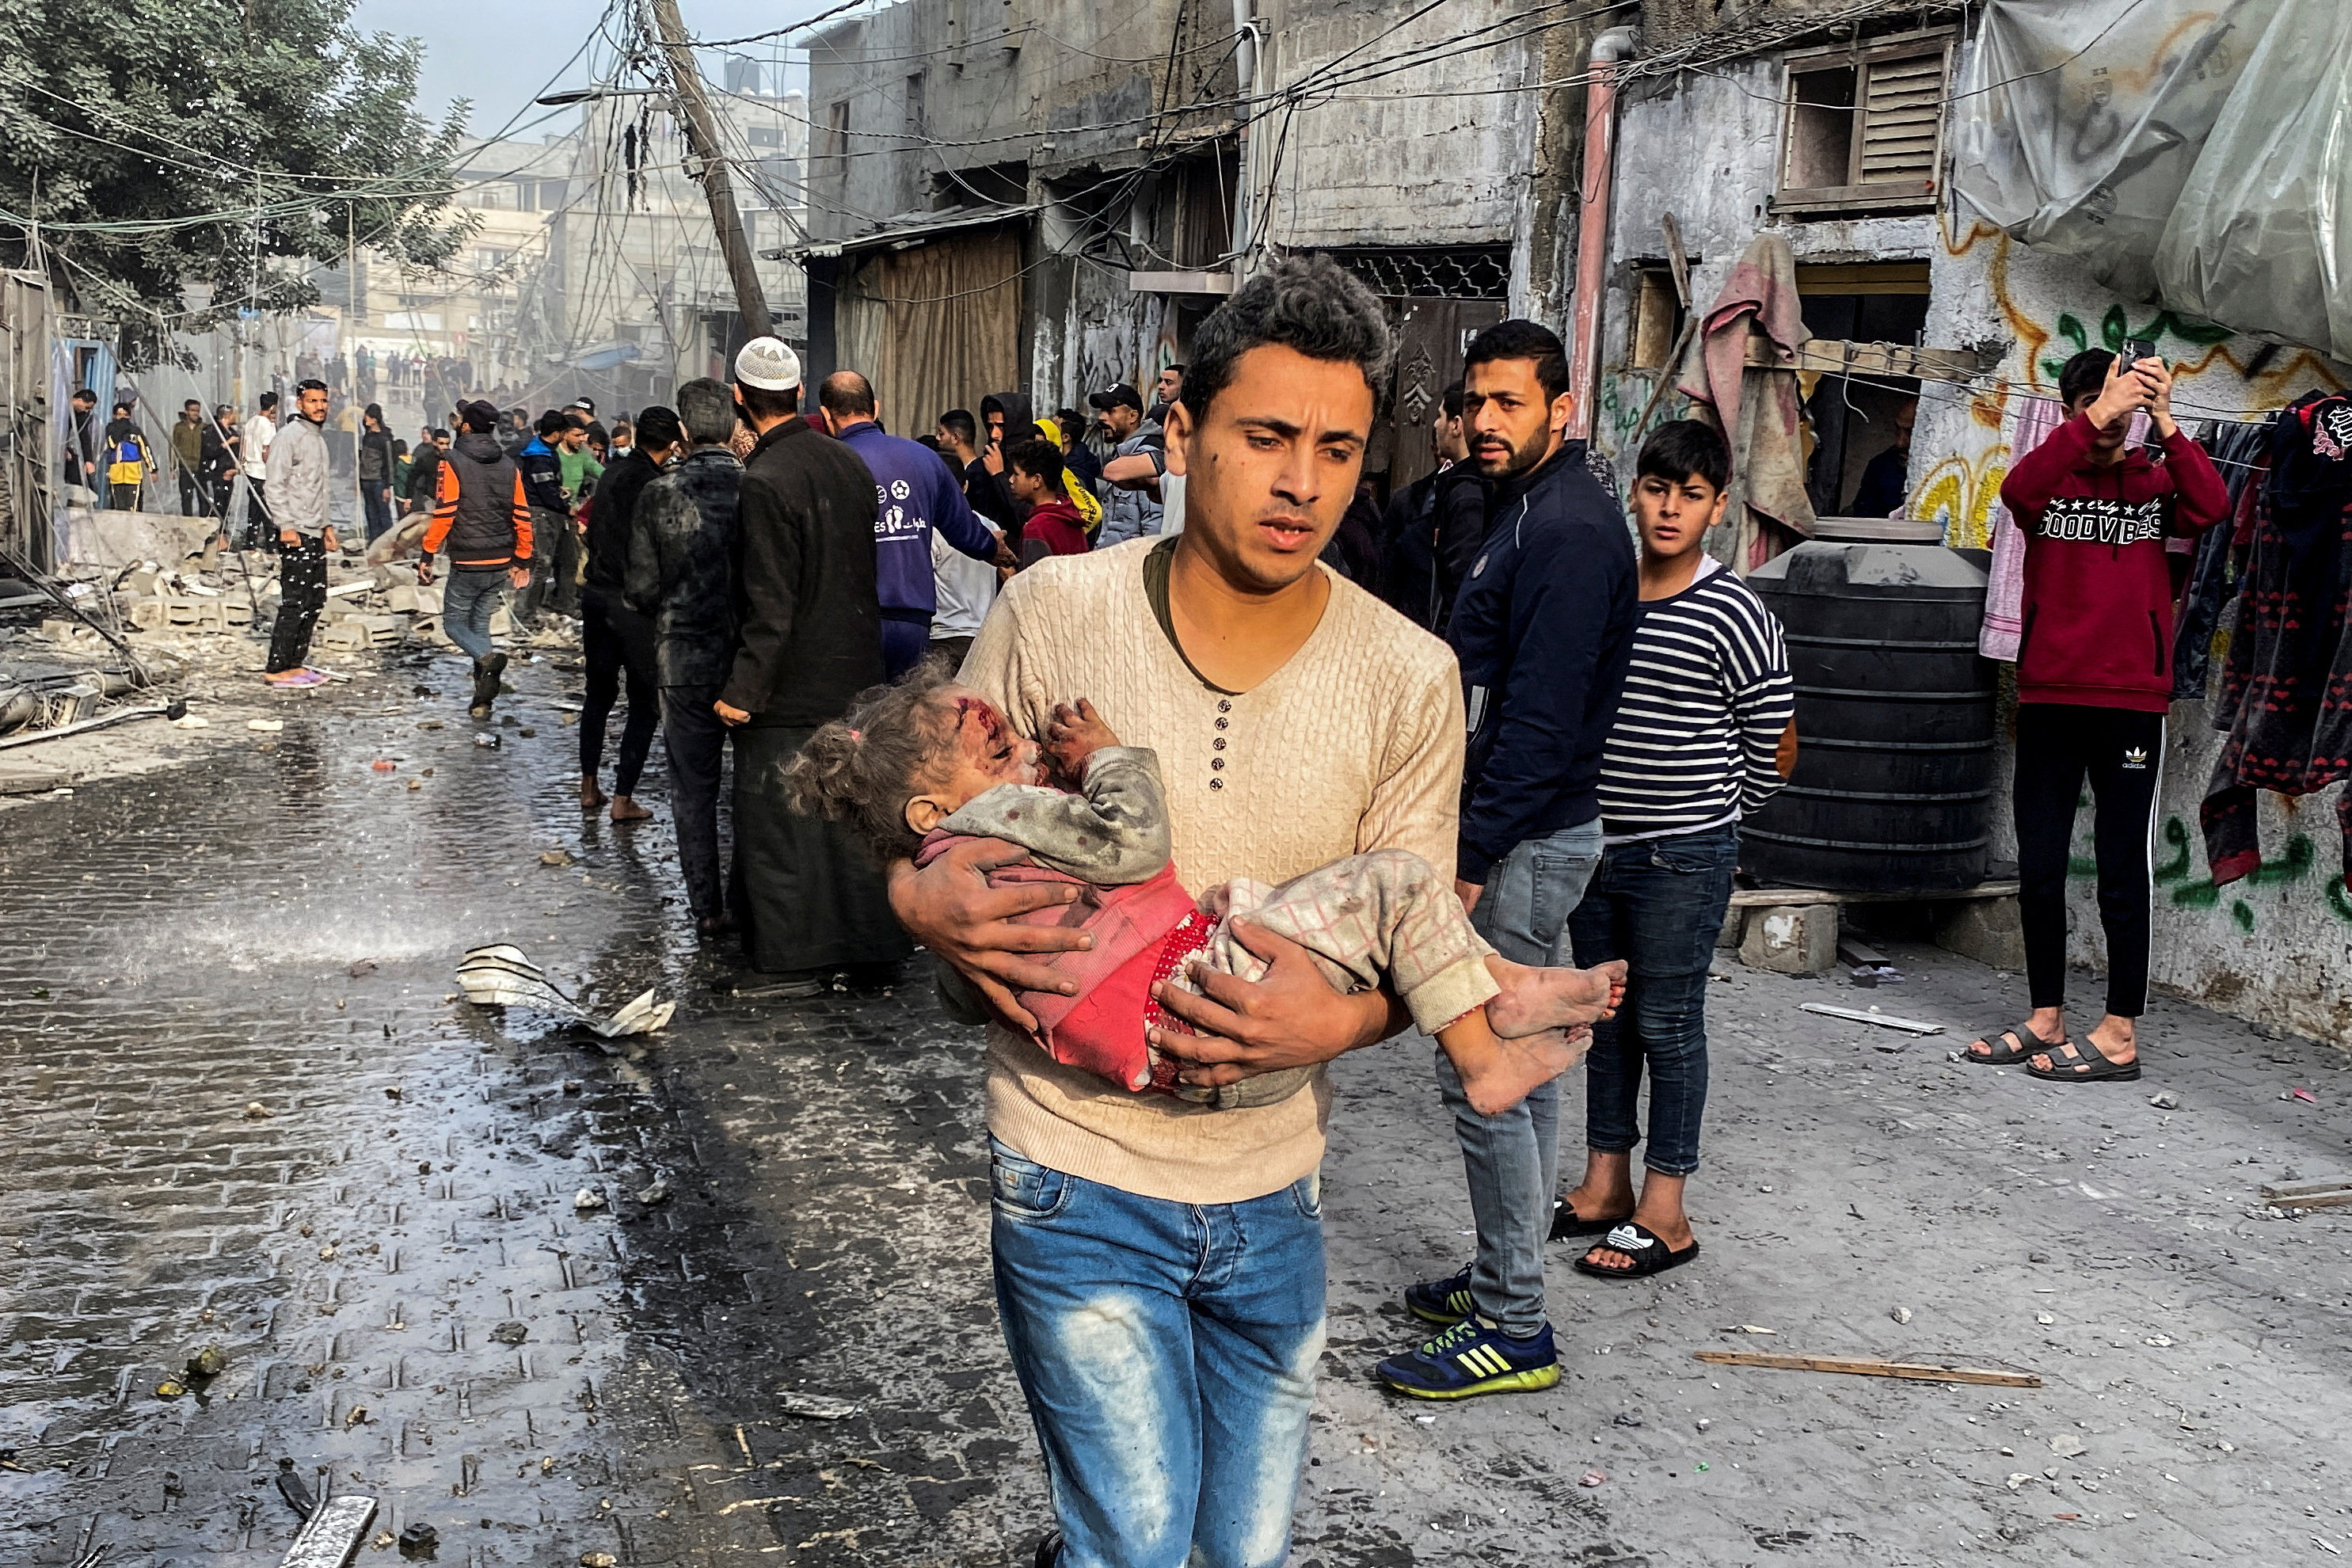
[147, 615]
[1791, 939]
[1986, 929]
[1734, 927]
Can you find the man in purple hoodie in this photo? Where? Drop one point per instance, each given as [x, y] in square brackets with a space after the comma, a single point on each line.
[914, 494]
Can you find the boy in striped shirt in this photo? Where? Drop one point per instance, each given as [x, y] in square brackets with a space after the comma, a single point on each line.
[1704, 732]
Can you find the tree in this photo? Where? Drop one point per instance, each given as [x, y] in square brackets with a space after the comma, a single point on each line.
[149, 144]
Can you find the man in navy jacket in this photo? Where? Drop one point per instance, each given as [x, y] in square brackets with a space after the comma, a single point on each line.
[1543, 628]
[914, 494]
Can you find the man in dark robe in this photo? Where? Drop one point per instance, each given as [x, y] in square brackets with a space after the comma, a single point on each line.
[811, 902]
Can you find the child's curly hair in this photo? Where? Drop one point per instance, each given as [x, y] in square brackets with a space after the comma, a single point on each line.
[862, 769]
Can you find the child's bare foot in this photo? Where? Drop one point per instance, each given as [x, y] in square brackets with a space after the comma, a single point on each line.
[626, 809]
[1498, 1078]
[1533, 1000]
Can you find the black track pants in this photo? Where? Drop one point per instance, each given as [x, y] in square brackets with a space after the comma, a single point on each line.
[2122, 753]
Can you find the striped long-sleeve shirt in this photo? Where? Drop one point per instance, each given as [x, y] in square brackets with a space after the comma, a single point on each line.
[1706, 699]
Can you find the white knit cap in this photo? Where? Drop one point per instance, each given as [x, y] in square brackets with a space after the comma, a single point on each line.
[768, 363]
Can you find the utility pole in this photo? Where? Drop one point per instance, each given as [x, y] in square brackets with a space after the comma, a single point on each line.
[693, 112]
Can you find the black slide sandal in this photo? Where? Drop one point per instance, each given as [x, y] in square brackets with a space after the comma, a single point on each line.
[1566, 1222]
[1641, 1243]
[2097, 1067]
[2029, 1045]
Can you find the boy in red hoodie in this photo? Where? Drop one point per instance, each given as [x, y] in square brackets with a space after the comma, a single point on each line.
[2094, 679]
[1032, 472]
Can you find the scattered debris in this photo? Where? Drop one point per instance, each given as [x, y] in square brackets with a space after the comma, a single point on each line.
[170, 1388]
[2037, 1258]
[357, 1418]
[490, 740]
[1592, 1479]
[267, 726]
[1627, 1418]
[1747, 1328]
[510, 1334]
[1884, 1020]
[255, 1110]
[2301, 1094]
[383, 765]
[555, 858]
[289, 1487]
[818, 1407]
[2067, 1445]
[419, 1541]
[2018, 1478]
[2162, 1342]
[2044, 1318]
[209, 1361]
[500, 975]
[1901, 1314]
[1871, 976]
[1871, 1366]
[333, 1533]
[364, 966]
[2165, 1102]
[658, 1192]
[598, 1560]
[587, 1200]
[1703, 1423]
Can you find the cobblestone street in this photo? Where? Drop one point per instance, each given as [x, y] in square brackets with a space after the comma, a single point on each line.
[249, 1110]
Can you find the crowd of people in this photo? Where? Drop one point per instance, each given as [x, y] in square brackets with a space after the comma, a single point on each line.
[1195, 771]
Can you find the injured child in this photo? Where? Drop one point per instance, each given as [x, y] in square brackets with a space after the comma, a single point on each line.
[921, 766]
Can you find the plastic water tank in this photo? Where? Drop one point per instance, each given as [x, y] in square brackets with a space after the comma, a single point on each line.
[1895, 779]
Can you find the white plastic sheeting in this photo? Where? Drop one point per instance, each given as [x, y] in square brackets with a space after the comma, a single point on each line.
[2198, 151]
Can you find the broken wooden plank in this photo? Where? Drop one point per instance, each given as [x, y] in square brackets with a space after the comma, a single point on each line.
[1871, 1366]
[333, 1533]
[1776, 898]
[1884, 1020]
[2337, 1193]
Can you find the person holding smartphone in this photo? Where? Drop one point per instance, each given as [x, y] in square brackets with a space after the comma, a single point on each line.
[2094, 679]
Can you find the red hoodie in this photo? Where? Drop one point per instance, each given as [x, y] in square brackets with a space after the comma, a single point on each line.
[2098, 597]
[1058, 526]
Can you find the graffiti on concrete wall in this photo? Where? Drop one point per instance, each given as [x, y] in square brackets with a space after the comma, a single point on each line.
[2176, 880]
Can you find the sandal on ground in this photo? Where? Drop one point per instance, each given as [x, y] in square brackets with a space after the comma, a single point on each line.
[1566, 1222]
[1640, 1243]
[2068, 1064]
[2028, 1044]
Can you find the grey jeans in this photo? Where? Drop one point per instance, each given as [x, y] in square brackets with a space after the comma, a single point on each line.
[1512, 1161]
[469, 600]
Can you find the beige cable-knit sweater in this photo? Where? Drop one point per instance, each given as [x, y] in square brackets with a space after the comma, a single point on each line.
[1354, 744]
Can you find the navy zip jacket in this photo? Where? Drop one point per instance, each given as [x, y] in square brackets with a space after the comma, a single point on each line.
[913, 493]
[1544, 630]
[542, 476]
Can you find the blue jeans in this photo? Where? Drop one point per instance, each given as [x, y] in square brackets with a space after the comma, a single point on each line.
[468, 603]
[1512, 1161]
[1168, 1354]
[1657, 904]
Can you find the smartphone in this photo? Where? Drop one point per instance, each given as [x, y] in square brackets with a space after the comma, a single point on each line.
[2136, 350]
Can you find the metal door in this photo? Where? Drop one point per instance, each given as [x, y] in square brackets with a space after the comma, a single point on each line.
[1431, 333]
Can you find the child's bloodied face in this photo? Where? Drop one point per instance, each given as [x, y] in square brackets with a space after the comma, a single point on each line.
[983, 752]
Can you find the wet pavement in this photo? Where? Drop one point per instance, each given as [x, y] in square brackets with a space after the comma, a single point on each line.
[227, 1129]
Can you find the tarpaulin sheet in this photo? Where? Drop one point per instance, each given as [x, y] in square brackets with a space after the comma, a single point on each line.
[2196, 152]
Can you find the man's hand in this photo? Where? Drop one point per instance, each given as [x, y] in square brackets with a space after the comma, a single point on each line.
[730, 717]
[2121, 395]
[948, 907]
[1074, 734]
[1291, 1018]
[993, 459]
[2156, 384]
[424, 572]
[1006, 559]
[332, 546]
[1468, 894]
[289, 538]
[517, 577]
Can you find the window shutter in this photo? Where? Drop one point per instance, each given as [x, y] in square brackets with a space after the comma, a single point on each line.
[1902, 111]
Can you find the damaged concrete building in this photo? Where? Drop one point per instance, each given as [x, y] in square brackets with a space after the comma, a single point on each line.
[1049, 199]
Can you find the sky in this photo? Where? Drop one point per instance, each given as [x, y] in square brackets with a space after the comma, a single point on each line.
[502, 54]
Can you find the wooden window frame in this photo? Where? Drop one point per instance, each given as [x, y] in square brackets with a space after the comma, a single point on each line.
[1861, 57]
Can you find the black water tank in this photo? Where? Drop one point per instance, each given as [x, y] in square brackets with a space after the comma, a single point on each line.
[1894, 786]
